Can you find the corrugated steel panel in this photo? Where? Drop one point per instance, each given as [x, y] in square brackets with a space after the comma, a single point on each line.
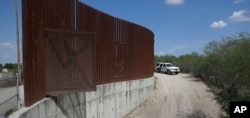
[69, 61]
[57, 54]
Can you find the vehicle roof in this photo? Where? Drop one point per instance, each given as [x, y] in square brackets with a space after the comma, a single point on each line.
[164, 63]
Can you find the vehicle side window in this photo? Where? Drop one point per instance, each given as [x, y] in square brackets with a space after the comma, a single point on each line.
[164, 65]
[157, 64]
[160, 65]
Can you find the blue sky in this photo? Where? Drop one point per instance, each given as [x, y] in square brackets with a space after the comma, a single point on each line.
[8, 53]
[180, 26]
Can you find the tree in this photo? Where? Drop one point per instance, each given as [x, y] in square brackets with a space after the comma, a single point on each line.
[1, 67]
[224, 65]
[9, 66]
[165, 58]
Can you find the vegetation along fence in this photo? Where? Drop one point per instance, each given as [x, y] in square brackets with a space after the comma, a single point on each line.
[70, 47]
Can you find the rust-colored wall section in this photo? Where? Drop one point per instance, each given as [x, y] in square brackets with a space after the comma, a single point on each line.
[69, 46]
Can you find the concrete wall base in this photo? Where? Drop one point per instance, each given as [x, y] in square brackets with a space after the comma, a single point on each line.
[113, 100]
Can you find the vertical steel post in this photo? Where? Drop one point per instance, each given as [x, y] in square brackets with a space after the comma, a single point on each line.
[17, 91]
[18, 45]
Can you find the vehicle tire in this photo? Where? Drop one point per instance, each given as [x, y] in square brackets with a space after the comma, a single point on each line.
[168, 72]
[176, 73]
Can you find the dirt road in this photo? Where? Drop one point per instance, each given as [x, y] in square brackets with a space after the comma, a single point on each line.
[6, 93]
[178, 96]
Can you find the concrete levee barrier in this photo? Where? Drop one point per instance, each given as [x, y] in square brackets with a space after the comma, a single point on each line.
[113, 100]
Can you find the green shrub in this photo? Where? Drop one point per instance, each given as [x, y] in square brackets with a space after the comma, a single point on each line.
[225, 64]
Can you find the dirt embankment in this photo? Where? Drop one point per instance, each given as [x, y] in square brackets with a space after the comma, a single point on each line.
[178, 96]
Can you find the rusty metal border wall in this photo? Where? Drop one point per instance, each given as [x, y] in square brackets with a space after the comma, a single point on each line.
[123, 50]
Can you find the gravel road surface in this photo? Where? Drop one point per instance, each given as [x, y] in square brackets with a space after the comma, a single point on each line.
[178, 96]
[6, 93]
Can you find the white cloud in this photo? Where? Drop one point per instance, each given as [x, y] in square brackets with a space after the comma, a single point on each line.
[160, 53]
[240, 16]
[218, 24]
[7, 45]
[4, 57]
[174, 2]
[238, 1]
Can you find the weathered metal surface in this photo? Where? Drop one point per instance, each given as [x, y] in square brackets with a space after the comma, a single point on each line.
[70, 47]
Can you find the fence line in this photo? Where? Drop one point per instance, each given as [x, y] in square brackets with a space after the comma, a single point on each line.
[69, 46]
[15, 95]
